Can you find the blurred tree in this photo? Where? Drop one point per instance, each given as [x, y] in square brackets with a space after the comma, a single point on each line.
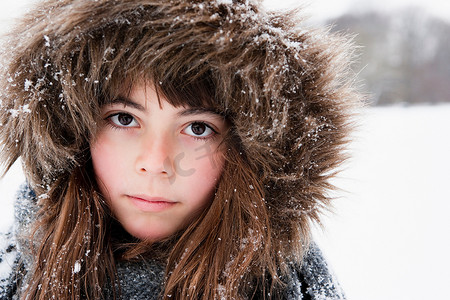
[405, 55]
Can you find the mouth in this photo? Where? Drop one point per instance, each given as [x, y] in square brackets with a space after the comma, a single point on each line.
[150, 204]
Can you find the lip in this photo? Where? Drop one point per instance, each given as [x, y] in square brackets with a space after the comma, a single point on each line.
[151, 204]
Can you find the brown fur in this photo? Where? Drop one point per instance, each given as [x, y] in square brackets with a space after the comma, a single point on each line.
[285, 90]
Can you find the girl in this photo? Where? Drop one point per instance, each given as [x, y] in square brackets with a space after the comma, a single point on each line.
[172, 149]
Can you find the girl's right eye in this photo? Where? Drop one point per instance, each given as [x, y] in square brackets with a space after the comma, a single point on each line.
[123, 120]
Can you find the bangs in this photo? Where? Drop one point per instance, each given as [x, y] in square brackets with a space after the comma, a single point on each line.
[191, 92]
[195, 88]
[199, 92]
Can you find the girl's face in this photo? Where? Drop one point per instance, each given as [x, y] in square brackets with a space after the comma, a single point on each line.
[157, 165]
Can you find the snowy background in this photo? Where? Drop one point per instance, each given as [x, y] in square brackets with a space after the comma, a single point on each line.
[389, 236]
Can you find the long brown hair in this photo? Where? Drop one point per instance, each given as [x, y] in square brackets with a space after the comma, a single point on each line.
[284, 91]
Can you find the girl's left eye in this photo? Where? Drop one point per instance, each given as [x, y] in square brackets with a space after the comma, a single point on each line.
[199, 130]
[123, 120]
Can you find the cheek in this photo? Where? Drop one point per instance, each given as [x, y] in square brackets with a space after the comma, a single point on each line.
[204, 180]
[211, 168]
[203, 161]
[105, 162]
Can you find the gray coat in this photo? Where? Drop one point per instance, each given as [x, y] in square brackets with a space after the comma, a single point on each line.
[144, 280]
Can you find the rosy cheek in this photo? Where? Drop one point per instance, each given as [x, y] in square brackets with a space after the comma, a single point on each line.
[209, 169]
[208, 158]
[103, 157]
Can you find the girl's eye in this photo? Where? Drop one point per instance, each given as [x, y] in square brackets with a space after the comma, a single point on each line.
[199, 130]
[123, 120]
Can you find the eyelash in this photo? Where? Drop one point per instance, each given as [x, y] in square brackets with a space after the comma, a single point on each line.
[118, 127]
[115, 126]
[210, 136]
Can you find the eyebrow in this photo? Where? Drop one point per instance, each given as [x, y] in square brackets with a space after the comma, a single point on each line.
[186, 112]
[127, 102]
[198, 111]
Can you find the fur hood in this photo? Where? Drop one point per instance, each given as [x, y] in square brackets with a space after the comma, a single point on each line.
[284, 86]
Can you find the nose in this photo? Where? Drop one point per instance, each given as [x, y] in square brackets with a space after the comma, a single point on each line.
[153, 156]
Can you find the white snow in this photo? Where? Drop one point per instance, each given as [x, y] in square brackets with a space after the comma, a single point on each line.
[8, 188]
[320, 10]
[389, 237]
[76, 267]
[8, 258]
[47, 41]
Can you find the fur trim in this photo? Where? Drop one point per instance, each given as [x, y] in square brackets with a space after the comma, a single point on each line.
[285, 87]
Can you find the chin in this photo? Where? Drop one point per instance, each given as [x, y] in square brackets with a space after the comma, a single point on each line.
[150, 236]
